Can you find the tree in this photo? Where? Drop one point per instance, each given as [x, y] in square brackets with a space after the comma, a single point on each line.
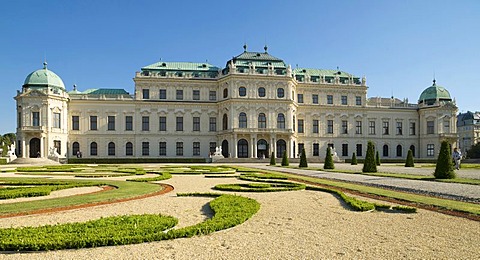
[5, 141]
[303, 160]
[474, 151]
[377, 159]
[285, 159]
[444, 168]
[370, 165]
[272, 159]
[409, 161]
[354, 159]
[328, 160]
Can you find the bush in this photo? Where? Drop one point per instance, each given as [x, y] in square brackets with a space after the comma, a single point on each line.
[303, 160]
[328, 160]
[272, 159]
[285, 159]
[354, 159]
[474, 151]
[369, 165]
[3, 161]
[409, 162]
[444, 168]
[377, 159]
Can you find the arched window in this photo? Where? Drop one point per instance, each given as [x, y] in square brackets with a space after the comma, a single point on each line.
[93, 148]
[128, 149]
[412, 147]
[293, 123]
[242, 91]
[385, 150]
[111, 148]
[281, 121]
[262, 121]
[242, 148]
[399, 150]
[75, 148]
[281, 147]
[280, 92]
[225, 93]
[242, 120]
[225, 122]
[261, 92]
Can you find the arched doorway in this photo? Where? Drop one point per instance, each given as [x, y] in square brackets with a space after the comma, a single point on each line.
[281, 147]
[242, 148]
[262, 148]
[225, 148]
[34, 148]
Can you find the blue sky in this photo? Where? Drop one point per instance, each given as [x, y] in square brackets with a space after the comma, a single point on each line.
[397, 45]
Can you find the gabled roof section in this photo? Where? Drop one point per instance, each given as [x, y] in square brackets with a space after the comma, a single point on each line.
[258, 59]
[181, 66]
[100, 91]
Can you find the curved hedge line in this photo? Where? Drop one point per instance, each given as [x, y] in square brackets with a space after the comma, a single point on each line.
[161, 176]
[38, 189]
[260, 187]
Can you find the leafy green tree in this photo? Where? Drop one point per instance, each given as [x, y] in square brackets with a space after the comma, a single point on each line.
[285, 159]
[474, 151]
[377, 159]
[5, 141]
[409, 161]
[354, 159]
[272, 159]
[370, 165]
[303, 160]
[444, 168]
[328, 160]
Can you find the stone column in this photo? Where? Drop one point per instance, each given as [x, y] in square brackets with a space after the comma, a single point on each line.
[42, 152]
[252, 147]
[24, 148]
[273, 146]
[254, 143]
[234, 146]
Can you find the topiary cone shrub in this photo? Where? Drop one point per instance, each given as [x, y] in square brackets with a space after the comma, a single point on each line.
[354, 159]
[272, 159]
[285, 159]
[369, 165]
[328, 160]
[444, 168]
[303, 160]
[377, 159]
[409, 161]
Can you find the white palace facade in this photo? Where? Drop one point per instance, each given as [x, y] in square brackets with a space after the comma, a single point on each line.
[255, 105]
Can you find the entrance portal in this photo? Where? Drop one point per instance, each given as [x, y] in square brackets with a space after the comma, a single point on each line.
[281, 147]
[262, 149]
[34, 148]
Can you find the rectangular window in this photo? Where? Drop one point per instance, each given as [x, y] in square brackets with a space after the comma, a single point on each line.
[93, 122]
[19, 123]
[196, 124]
[300, 98]
[213, 124]
[300, 125]
[179, 94]
[430, 149]
[196, 94]
[179, 150]
[358, 100]
[75, 123]
[430, 127]
[371, 127]
[344, 100]
[329, 99]
[56, 120]
[162, 148]
[111, 123]
[358, 127]
[399, 128]
[315, 126]
[301, 146]
[359, 150]
[446, 127]
[316, 149]
[385, 127]
[145, 123]
[344, 127]
[145, 148]
[36, 119]
[315, 99]
[212, 96]
[412, 128]
[163, 94]
[196, 148]
[179, 126]
[128, 123]
[146, 93]
[344, 149]
[329, 126]
[162, 123]
[213, 147]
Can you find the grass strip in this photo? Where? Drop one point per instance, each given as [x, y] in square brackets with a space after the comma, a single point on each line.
[161, 176]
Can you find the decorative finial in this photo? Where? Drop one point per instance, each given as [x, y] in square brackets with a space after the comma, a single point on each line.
[44, 65]
[434, 81]
[245, 47]
[265, 48]
[74, 87]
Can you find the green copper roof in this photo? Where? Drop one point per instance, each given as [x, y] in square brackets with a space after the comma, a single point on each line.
[320, 72]
[434, 92]
[100, 91]
[263, 56]
[181, 66]
[44, 77]
[258, 59]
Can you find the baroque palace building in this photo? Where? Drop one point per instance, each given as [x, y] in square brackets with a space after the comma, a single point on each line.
[255, 105]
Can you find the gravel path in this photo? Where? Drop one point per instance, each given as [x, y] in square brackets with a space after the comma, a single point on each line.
[289, 225]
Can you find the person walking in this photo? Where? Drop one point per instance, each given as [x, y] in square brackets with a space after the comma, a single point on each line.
[457, 156]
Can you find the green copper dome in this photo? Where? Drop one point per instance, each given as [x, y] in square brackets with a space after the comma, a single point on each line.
[433, 93]
[44, 77]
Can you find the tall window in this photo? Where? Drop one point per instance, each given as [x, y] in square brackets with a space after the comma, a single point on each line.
[162, 148]
[19, 123]
[179, 149]
[300, 98]
[315, 99]
[111, 123]
[57, 144]
[430, 149]
[281, 121]
[358, 127]
[300, 125]
[261, 92]
[162, 123]
[412, 128]
[56, 120]
[242, 91]
[280, 93]
[162, 94]
[111, 148]
[145, 123]
[371, 127]
[146, 93]
[128, 123]
[196, 94]
[446, 127]
[225, 92]
[213, 147]
[212, 95]
[93, 122]
[385, 125]
[93, 149]
[344, 100]
[430, 127]
[225, 122]
[329, 99]
[262, 120]
[359, 150]
[344, 149]
[128, 149]
[179, 94]
[316, 149]
[196, 123]
[75, 123]
[399, 128]
[294, 123]
[145, 148]
[242, 120]
[329, 126]
[75, 148]
[179, 125]
[385, 150]
[399, 151]
[358, 100]
[315, 126]
[344, 127]
[213, 124]
[196, 148]
[242, 148]
[36, 119]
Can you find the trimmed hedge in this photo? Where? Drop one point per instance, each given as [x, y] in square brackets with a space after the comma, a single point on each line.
[328, 165]
[162, 176]
[260, 187]
[409, 162]
[370, 164]
[285, 159]
[3, 160]
[444, 167]
[136, 160]
[356, 204]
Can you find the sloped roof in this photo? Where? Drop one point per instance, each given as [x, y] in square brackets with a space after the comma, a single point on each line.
[181, 66]
[100, 91]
